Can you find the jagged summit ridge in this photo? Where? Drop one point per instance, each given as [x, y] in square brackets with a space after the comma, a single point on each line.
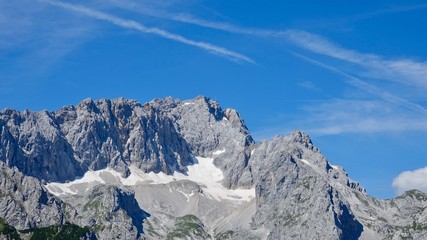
[160, 136]
[145, 168]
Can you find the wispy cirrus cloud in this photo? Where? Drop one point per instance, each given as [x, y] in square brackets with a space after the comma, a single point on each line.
[392, 9]
[148, 9]
[347, 116]
[308, 85]
[340, 116]
[363, 85]
[131, 24]
[387, 113]
[404, 71]
[34, 32]
[33, 38]
[401, 71]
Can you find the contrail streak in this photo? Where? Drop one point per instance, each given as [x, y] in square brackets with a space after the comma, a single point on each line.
[356, 82]
[131, 24]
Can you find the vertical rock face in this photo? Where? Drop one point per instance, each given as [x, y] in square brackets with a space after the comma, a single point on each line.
[295, 190]
[33, 143]
[222, 134]
[298, 194]
[159, 136]
[24, 203]
[117, 133]
[111, 211]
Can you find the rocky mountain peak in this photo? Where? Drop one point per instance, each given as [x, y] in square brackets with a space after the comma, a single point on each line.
[415, 194]
[212, 106]
[88, 105]
[283, 188]
[160, 136]
[302, 138]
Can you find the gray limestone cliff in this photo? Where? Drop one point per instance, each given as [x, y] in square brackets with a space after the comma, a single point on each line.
[298, 194]
[159, 136]
[24, 203]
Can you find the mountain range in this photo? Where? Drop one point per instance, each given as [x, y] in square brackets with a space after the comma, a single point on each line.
[173, 169]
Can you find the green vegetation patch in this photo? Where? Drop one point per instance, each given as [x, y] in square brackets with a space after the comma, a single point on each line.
[8, 231]
[225, 235]
[92, 205]
[187, 226]
[67, 231]
[419, 227]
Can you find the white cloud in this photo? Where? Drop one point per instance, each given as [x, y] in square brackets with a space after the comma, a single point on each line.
[358, 83]
[406, 71]
[346, 116]
[308, 85]
[416, 179]
[340, 116]
[369, 125]
[152, 9]
[34, 37]
[392, 9]
[130, 24]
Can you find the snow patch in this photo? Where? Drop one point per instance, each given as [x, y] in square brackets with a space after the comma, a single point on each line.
[188, 196]
[204, 173]
[305, 161]
[218, 152]
[90, 179]
[252, 152]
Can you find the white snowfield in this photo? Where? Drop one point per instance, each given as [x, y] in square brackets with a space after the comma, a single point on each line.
[188, 103]
[306, 162]
[204, 173]
[218, 152]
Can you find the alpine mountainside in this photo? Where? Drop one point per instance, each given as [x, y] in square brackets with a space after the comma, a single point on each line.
[172, 169]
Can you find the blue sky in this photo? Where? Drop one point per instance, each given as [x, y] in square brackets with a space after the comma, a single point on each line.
[351, 74]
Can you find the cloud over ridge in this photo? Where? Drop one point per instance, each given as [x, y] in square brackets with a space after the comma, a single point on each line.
[416, 179]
